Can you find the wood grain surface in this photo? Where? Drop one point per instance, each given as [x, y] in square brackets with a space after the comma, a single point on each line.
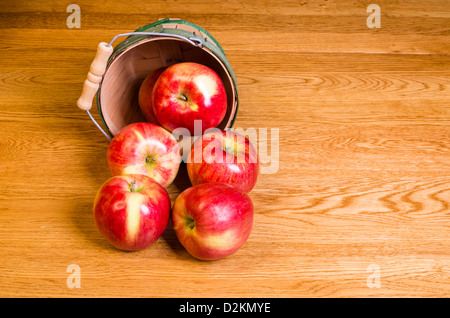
[362, 189]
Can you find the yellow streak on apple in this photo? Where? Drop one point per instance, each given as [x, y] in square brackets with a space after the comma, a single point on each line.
[134, 213]
[132, 169]
[139, 135]
[221, 241]
[179, 222]
[137, 168]
[194, 107]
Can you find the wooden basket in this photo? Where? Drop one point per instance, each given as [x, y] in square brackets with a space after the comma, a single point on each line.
[116, 74]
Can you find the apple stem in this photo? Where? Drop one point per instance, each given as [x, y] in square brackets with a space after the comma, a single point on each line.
[190, 223]
[150, 159]
[133, 186]
[183, 98]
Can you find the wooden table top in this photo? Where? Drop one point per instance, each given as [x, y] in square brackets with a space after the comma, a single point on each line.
[356, 206]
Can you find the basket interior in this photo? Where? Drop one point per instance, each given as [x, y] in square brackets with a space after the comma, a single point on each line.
[124, 75]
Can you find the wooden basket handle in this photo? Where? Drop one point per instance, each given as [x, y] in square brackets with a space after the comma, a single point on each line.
[94, 77]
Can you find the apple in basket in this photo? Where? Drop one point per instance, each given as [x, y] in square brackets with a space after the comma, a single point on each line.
[132, 211]
[212, 220]
[145, 94]
[223, 156]
[144, 148]
[186, 92]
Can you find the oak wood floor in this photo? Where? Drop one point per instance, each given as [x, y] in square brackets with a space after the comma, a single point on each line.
[358, 206]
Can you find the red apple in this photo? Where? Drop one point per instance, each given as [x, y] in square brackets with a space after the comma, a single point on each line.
[186, 92]
[131, 211]
[145, 148]
[145, 94]
[223, 156]
[212, 220]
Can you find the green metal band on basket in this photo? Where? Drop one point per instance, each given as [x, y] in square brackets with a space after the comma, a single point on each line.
[159, 30]
[177, 21]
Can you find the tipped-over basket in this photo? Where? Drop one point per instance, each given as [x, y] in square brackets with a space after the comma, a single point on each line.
[116, 73]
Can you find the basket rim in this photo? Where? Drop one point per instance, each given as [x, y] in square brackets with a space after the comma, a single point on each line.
[180, 21]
